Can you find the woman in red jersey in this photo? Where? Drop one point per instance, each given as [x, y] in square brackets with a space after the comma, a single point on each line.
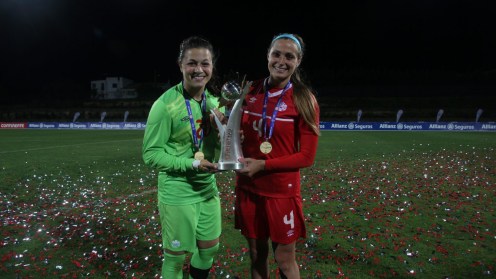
[281, 127]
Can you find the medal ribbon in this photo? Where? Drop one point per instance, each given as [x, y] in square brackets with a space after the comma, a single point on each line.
[203, 107]
[276, 109]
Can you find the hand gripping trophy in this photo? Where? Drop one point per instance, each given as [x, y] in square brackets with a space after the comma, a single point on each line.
[230, 151]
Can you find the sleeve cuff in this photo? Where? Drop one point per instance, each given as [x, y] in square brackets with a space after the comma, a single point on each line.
[196, 164]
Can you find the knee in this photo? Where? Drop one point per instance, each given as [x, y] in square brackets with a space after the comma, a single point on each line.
[209, 252]
[253, 254]
[284, 258]
[206, 244]
[204, 257]
[284, 265]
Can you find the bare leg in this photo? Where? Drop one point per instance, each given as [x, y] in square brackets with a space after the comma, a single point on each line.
[259, 255]
[203, 244]
[285, 256]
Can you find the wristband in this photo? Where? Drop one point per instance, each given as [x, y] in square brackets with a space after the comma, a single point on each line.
[196, 164]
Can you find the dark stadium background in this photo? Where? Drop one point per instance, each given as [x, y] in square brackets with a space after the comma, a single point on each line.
[381, 56]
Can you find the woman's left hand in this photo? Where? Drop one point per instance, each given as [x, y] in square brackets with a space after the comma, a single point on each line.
[251, 166]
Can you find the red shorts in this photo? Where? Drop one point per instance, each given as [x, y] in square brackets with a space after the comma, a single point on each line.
[261, 217]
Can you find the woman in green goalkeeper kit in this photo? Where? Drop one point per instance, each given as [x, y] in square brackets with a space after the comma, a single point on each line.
[181, 144]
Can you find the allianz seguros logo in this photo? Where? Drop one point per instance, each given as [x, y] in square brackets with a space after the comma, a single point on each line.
[400, 126]
[351, 126]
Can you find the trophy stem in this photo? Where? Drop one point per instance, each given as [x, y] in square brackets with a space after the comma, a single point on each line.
[231, 150]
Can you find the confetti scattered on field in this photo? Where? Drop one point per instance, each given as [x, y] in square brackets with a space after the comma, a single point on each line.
[413, 215]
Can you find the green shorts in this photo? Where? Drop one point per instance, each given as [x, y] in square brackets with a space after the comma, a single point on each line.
[183, 225]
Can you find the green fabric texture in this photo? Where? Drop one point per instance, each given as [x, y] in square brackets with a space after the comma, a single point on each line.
[168, 147]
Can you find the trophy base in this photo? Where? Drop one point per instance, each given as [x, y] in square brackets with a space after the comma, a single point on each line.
[229, 166]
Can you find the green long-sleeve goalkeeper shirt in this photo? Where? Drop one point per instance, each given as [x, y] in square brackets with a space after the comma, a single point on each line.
[169, 148]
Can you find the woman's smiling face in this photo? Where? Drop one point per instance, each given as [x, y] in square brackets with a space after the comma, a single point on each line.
[283, 59]
[197, 67]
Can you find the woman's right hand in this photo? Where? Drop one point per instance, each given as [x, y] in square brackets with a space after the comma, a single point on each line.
[223, 119]
[207, 166]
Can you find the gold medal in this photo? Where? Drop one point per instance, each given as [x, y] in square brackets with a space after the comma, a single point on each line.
[265, 147]
[199, 156]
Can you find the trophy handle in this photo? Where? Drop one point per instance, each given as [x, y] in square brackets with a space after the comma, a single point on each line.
[220, 126]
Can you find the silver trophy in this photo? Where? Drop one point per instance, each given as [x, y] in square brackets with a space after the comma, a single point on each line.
[230, 151]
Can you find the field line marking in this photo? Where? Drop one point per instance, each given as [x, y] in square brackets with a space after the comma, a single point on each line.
[66, 145]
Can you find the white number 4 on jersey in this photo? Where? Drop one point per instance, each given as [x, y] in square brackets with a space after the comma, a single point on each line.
[290, 221]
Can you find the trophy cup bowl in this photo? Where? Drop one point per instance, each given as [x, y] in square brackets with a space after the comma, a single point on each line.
[231, 91]
[230, 151]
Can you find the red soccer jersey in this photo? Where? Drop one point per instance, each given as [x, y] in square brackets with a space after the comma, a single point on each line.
[281, 177]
